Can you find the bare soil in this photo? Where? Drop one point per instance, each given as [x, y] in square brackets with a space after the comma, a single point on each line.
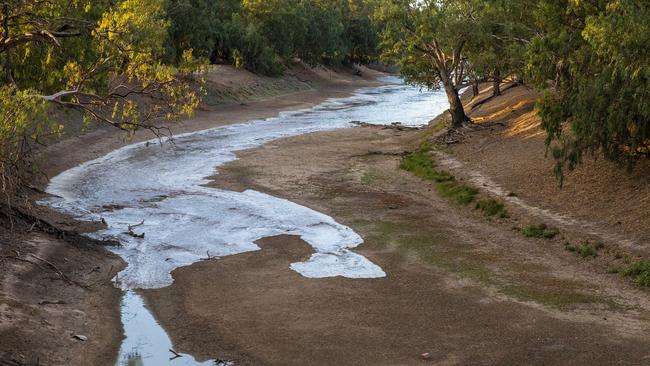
[43, 305]
[510, 150]
[466, 289]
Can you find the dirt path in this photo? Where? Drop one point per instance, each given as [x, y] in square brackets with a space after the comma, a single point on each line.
[464, 288]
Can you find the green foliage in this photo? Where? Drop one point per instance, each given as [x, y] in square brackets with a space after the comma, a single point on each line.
[248, 48]
[262, 36]
[198, 25]
[420, 164]
[22, 119]
[640, 271]
[597, 55]
[410, 29]
[540, 231]
[459, 192]
[586, 249]
[499, 38]
[71, 55]
[427, 40]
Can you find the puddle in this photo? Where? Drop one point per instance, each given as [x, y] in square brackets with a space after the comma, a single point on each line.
[155, 203]
[146, 343]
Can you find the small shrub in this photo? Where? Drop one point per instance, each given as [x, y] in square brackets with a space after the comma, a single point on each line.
[587, 251]
[512, 194]
[640, 271]
[540, 231]
[492, 207]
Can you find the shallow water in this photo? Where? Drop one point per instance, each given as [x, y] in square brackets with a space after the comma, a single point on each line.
[159, 191]
[146, 343]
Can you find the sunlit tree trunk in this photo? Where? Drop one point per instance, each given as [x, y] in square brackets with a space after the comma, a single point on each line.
[456, 109]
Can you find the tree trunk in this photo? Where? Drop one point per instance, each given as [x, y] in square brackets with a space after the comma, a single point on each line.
[496, 82]
[475, 90]
[458, 116]
[5, 34]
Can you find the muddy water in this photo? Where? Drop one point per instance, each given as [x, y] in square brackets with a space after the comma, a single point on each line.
[154, 201]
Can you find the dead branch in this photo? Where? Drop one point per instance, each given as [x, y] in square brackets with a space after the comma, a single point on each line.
[452, 136]
[176, 354]
[54, 268]
[133, 233]
[210, 257]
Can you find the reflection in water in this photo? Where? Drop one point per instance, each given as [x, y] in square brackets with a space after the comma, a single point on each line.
[146, 343]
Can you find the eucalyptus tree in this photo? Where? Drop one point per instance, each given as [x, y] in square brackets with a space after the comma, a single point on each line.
[502, 31]
[427, 39]
[596, 53]
[101, 59]
[198, 25]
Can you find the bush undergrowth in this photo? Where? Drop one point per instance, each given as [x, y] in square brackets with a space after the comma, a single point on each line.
[492, 207]
[585, 250]
[540, 231]
[640, 271]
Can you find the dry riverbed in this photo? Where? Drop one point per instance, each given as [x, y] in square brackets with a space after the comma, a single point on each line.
[461, 287]
[464, 288]
[41, 312]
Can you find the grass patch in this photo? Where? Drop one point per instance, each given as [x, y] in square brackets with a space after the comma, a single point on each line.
[420, 164]
[492, 207]
[640, 271]
[540, 231]
[585, 250]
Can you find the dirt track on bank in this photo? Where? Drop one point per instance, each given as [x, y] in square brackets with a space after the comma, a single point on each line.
[467, 289]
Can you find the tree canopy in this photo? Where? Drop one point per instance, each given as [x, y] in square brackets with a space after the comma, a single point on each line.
[132, 63]
[589, 59]
[596, 54]
[95, 58]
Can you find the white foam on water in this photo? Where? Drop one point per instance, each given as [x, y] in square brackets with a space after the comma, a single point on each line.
[185, 221]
